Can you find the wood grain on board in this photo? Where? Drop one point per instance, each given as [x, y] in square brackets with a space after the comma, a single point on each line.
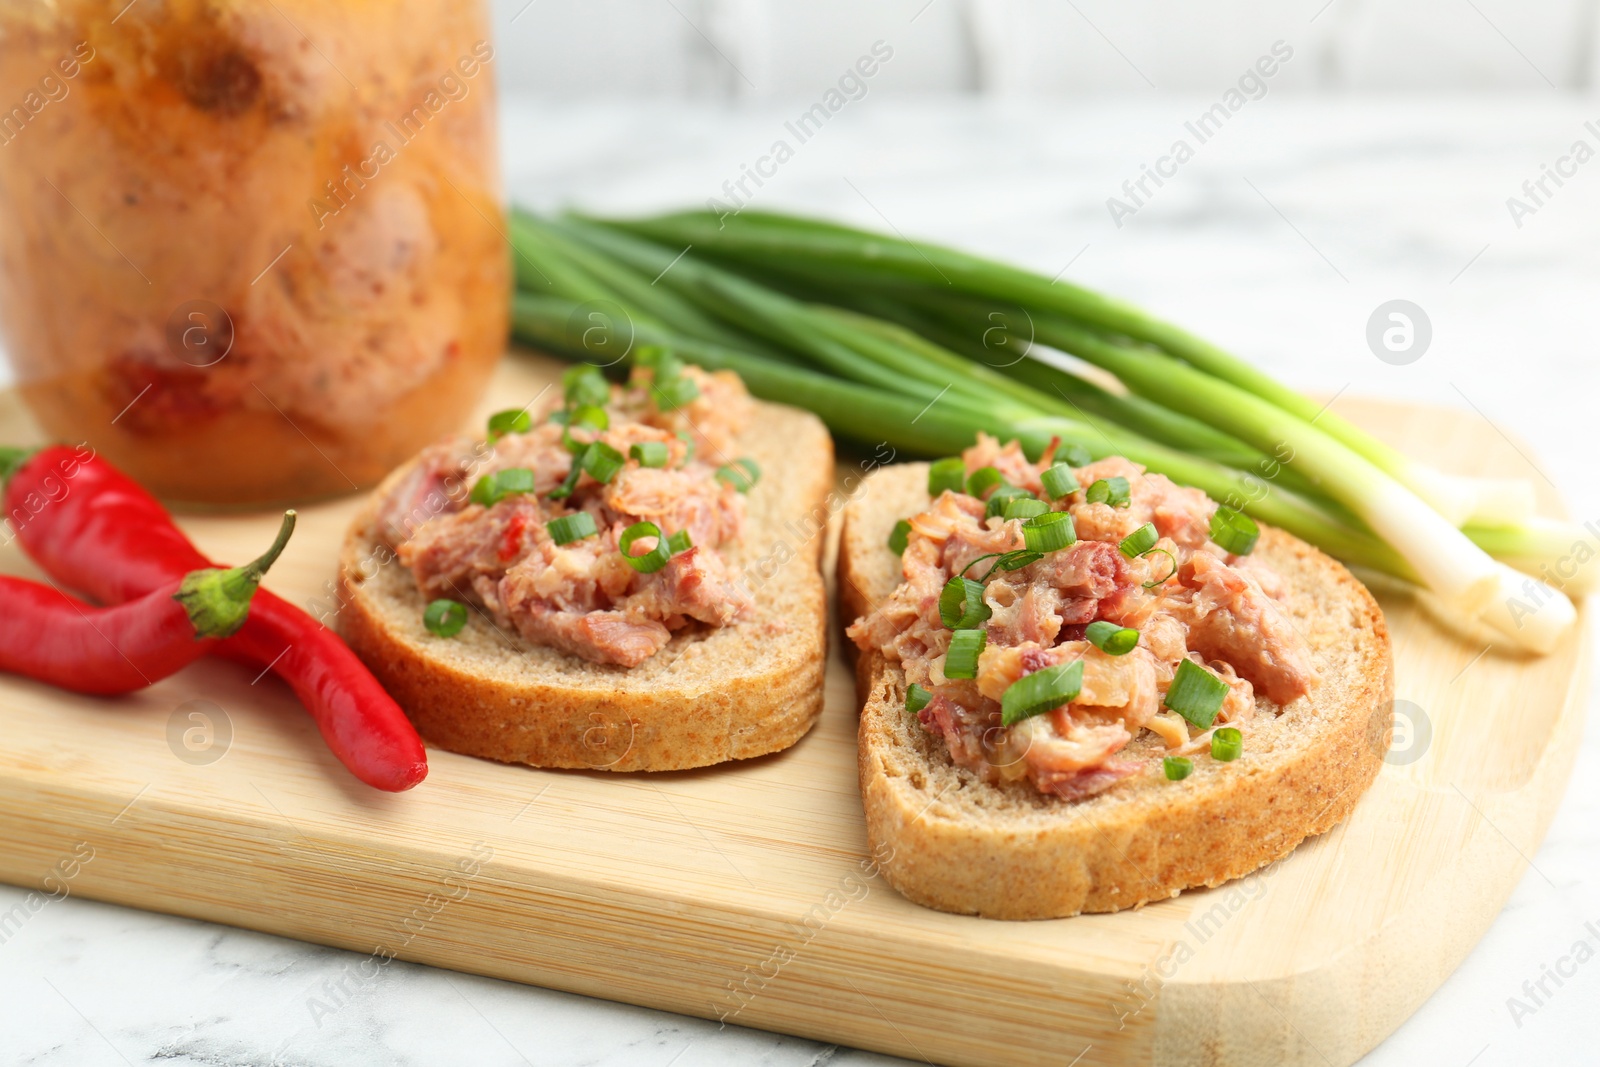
[746, 891]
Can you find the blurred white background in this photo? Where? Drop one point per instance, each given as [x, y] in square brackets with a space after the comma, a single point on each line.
[776, 48]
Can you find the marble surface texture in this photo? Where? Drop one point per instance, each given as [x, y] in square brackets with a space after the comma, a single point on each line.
[1278, 238]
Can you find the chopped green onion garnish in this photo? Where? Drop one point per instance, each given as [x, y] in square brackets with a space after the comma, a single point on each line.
[676, 392]
[982, 480]
[1025, 507]
[574, 472]
[688, 444]
[601, 461]
[585, 386]
[1235, 531]
[1049, 532]
[961, 661]
[1013, 561]
[1059, 481]
[1076, 455]
[652, 560]
[651, 453]
[1174, 569]
[742, 474]
[1140, 541]
[671, 387]
[899, 536]
[1000, 497]
[584, 418]
[961, 604]
[574, 527]
[1195, 693]
[559, 417]
[917, 697]
[1113, 491]
[1110, 638]
[1177, 768]
[493, 488]
[445, 617]
[512, 420]
[679, 542]
[1039, 692]
[1227, 744]
[980, 559]
[948, 474]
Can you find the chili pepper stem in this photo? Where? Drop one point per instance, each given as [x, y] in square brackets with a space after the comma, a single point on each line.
[217, 600]
[12, 459]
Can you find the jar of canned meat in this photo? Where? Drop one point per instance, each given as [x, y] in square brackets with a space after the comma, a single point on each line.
[250, 250]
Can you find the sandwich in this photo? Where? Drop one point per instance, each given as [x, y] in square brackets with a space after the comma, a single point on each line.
[1085, 687]
[625, 578]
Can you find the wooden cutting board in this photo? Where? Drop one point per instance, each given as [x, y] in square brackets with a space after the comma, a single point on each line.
[746, 892]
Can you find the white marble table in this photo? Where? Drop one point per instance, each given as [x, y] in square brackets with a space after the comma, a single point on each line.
[1279, 238]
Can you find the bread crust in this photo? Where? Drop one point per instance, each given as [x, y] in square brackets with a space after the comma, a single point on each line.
[709, 696]
[962, 845]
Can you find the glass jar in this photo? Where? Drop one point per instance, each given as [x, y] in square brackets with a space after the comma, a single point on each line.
[250, 250]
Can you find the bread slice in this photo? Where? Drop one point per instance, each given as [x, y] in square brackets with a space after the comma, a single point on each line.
[960, 844]
[709, 696]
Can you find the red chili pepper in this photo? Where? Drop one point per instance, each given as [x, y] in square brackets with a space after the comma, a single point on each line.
[52, 637]
[92, 527]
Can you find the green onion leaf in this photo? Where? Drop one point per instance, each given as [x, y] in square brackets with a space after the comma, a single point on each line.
[1140, 541]
[574, 527]
[961, 661]
[948, 474]
[742, 474]
[1002, 496]
[980, 559]
[1227, 744]
[917, 697]
[650, 453]
[1177, 768]
[688, 444]
[1235, 531]
[679, 542]
[1041, 691]
[1049, 532]
[675, 393]
[1076, 455]
[1013, 561]
[1174, 570]
[1025, 507]
[961, 605]
[1110, 638]
[982, 480]
[512, 420]
[493, 488]
[1196, 693]
[1113, 491]
[560, 418]
[652, 560]
[601, 461]
[585, 386]
[445, 617]
[899, 536]
[1059, 481]
[573, 474]
[584, 418]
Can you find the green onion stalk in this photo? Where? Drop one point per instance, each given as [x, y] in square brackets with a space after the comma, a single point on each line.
[876, 380]
[818, 249]
[880, 273]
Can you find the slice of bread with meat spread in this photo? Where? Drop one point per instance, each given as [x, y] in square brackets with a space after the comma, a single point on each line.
[966, 840]
[746, 683]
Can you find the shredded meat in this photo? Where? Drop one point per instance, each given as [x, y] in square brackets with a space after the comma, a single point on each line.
[1187, 598]
[583, 597]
